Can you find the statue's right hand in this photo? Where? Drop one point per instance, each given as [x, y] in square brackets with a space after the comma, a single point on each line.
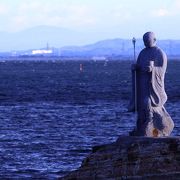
[147, 69]
[134, 67]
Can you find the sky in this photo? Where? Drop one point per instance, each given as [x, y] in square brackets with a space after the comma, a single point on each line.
[122, 18]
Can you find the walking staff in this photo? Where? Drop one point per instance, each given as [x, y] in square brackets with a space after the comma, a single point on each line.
[135, 88]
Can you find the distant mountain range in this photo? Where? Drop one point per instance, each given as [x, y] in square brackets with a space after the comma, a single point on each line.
[119, 47]
[64, 39]
[37, 37]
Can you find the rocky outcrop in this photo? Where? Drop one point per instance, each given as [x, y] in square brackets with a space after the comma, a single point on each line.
[132, 158]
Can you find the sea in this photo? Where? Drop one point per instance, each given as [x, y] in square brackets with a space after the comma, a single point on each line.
[53, 112]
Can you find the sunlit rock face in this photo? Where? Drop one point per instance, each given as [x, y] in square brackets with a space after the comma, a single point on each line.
[132, 158]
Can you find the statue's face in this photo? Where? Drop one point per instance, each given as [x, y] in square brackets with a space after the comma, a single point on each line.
[149, 39]
[149, 43]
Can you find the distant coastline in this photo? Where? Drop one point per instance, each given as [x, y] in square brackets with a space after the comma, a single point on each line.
[69, 58]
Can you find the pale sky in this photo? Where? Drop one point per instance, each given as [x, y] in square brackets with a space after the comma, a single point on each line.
[124, 18]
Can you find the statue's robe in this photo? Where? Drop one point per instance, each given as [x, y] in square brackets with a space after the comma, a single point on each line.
[153, 119]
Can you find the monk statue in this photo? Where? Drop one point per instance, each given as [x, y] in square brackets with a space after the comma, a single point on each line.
[152, 118]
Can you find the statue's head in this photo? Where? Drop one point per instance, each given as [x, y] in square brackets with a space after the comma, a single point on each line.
[149, 39]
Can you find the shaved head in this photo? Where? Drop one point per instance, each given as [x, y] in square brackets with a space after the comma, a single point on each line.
[149, 39]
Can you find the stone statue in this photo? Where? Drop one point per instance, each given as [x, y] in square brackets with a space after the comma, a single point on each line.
[152, 118]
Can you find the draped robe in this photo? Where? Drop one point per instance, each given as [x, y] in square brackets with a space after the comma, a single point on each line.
[153, 119]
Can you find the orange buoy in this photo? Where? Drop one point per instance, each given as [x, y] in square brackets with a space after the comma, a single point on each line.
[81, 67]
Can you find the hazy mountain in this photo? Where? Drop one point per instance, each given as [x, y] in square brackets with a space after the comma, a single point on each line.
[101, 48]
[38, 37]
[115, 47]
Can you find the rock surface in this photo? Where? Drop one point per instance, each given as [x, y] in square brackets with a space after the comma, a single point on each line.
[132, 158]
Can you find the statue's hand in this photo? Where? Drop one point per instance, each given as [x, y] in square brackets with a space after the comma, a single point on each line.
[134, 67]
[147, 69]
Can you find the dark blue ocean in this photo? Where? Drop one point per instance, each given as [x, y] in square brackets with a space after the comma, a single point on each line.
[51, 113]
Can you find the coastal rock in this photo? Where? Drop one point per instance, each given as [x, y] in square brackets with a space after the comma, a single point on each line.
[132, 158]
